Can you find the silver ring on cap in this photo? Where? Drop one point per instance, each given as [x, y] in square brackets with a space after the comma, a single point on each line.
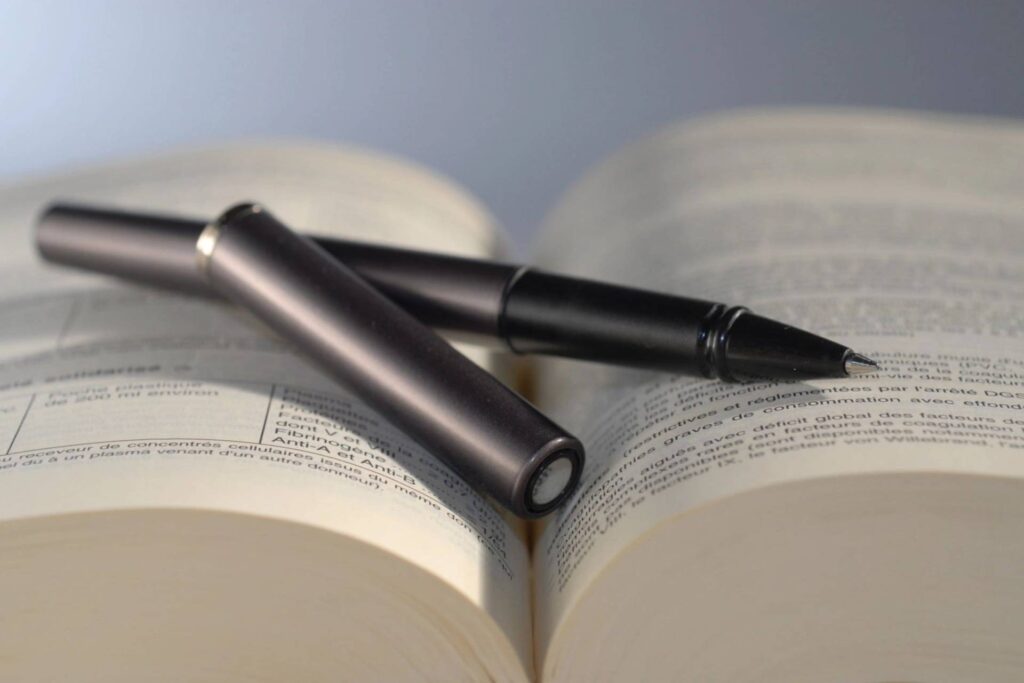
[207, 240]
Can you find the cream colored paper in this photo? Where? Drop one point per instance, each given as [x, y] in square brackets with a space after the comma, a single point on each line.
[901, 236]
[115, 398]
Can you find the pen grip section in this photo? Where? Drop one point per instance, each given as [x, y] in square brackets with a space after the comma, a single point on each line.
[555, 315]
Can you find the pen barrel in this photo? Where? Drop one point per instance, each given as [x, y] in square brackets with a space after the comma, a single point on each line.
[482, 429]
[452, 294]
[148, 248]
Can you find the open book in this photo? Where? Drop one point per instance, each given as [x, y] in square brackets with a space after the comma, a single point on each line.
[184, 499]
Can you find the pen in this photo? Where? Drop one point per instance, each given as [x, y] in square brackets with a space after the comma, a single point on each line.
[525, 309]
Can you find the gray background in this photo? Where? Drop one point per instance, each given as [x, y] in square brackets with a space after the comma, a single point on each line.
[512, 99]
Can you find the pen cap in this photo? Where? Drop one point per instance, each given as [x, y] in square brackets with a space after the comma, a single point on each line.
[152, 249]
[483, 430]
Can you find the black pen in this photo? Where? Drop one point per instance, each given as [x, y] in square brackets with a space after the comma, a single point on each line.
[525, 309]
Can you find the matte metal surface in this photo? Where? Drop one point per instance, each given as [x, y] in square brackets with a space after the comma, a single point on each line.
[150, 248]
[452, 294]
[460, 413]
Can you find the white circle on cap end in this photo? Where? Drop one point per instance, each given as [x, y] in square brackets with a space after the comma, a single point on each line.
[551, 481]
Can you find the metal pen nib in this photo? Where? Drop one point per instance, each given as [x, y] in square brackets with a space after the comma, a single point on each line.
[856, 364]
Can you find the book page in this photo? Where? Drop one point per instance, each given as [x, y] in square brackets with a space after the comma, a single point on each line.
[901, 236]
[117, 397]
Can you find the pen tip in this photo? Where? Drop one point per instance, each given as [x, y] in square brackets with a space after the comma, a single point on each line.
[856, 364]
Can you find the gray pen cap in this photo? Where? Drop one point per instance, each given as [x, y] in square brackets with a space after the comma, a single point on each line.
[483, 430]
